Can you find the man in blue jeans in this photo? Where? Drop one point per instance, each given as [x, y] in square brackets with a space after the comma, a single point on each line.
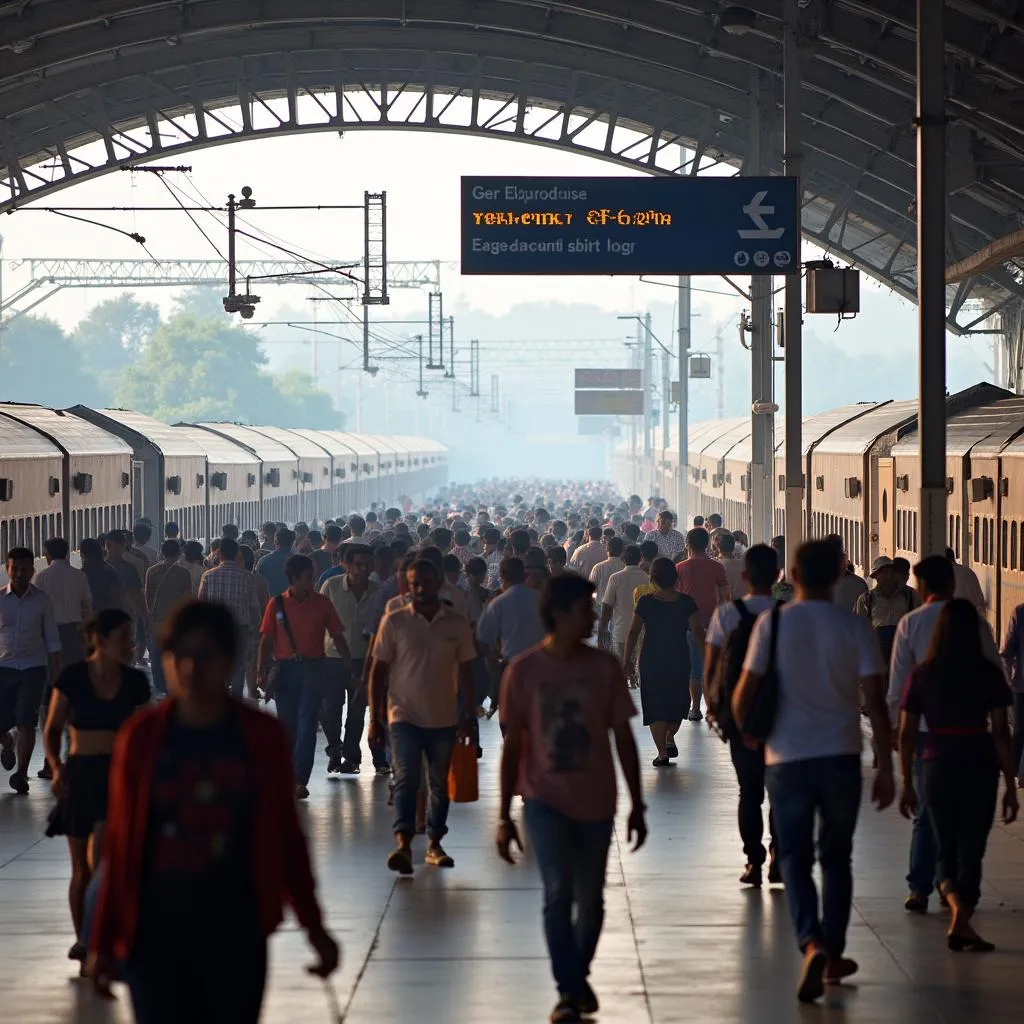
[422, 666]
[822, 657]
[292, 634]
[559, 702]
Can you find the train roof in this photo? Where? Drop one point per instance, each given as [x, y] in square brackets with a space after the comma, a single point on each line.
[20, 441]
[858, 435]
[131, 425]
[296, 441]
[266, 448]
[985, 429]
[327, 439]
[217, 447]
[72, 433]
[722, 445]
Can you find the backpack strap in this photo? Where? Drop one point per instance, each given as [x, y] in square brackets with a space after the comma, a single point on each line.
[743, 611]
[287, 625]
[774, 635]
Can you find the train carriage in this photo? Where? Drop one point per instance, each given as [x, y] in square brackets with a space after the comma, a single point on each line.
[232, 480]
[312, 472]
[94, 488]
[31, 469]
[168, 469]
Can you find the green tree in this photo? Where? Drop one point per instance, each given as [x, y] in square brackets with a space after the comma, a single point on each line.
[114, 333]
[201, 300]
[197, 368]
[40, 363]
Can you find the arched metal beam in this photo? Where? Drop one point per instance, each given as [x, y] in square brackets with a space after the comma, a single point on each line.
[121, 71]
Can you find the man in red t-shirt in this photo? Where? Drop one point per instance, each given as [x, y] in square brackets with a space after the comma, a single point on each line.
[705, 581]
[559, 702]
[292, 634]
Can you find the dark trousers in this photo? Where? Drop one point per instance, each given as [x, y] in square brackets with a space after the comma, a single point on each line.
[346, 687]
[176, 983]
[300, 690]
[1018, 733]
[572, 857]
[961, 798]
[826, 789]
[749, 765]
[921, 873]
[411, 745]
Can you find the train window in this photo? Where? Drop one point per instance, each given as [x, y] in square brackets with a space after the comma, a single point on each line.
[3, 540]
[977, 539]
[899, 532]
[956, 546]
[984, 542]
[949, 534]
[21, 533]
[37, 535]
[913, 531]
[991, 542]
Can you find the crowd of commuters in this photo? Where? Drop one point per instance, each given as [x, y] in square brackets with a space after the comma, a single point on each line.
[403, 629]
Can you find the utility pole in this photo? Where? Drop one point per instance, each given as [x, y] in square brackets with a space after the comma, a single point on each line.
[645, 340]
[793, 159]
[666, 387]
[931, 273]
[762, 376]
[421, 391]
[233, 302]
[682, 442]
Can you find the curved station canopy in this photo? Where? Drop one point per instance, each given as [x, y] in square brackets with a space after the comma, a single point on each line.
[86, 88]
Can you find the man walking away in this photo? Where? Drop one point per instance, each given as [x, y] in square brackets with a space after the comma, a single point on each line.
[849, 587]
[588, 555]
[559, 702]
[230, 585]
[705, 581]
[168, 584]
[422, 661]
[617, 601]
[936, 583]
[721, 654]
[69, 594]
[29, 647]
[272, 567]
[351, 594]
[292, 632]
[967, 584]
[733, 564]
[824, 657]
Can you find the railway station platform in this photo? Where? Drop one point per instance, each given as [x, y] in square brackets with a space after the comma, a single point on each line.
[682, 941]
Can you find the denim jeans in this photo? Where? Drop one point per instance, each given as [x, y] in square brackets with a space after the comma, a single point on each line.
[749, 766]
[827, 789]
[572, 857]
[299, 694]
[410, 745]
[921, 875]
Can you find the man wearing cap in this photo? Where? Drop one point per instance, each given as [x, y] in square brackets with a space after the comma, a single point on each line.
[886, 603]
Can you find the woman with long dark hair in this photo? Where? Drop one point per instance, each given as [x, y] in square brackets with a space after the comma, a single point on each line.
[664, 616]
[92, 700]
[958, 691]
[204, 846]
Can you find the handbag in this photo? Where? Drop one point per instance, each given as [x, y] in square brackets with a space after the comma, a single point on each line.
[463, 781]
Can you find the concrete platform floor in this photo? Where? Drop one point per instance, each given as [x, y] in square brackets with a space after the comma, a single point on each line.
[682, 940]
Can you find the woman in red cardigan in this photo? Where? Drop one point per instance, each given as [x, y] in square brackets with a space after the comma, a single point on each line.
[203, 844]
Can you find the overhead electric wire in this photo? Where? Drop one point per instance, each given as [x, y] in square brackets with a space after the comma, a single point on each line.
[133, 235]
[188, 214]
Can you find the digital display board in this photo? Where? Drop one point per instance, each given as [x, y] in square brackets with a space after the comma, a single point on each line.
[642, 225]
[595, 378]
[609, 403]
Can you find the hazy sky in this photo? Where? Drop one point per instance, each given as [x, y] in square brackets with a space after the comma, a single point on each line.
[420, 173]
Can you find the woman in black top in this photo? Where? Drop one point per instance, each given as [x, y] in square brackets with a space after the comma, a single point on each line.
[665, 616]
[92, 699]
[958, 691]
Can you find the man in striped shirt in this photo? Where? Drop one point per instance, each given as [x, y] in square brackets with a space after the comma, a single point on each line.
[230, 585]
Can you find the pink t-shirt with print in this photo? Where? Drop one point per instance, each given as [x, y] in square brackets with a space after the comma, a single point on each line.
[565, 710]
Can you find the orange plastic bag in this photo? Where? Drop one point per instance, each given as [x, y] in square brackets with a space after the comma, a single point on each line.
[463, 782]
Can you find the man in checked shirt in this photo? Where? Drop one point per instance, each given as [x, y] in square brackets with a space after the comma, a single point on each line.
[229, 584]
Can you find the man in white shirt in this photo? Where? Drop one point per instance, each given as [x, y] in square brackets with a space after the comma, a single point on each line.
[967, 584]
[760, 571]
[824, 657]
[936, 583]
[849, 587]
[602, 572]
[732, 563]
[69, 593]
[617, 599]
[586, 556]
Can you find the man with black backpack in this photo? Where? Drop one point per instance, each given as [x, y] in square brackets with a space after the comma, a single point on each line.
[725, 650]
[813, 659]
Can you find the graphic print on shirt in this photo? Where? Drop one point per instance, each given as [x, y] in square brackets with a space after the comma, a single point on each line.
[565, 729]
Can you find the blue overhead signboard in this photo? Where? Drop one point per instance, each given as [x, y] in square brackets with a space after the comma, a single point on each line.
[642, 225]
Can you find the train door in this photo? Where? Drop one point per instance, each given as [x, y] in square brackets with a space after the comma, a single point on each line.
[138, 492]
[1011, 573]
[985, 555]
[886, 492]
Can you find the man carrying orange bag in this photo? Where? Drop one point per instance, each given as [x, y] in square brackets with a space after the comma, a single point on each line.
[559, 701]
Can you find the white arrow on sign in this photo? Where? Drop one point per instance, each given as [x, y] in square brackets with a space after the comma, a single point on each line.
[756, 210]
